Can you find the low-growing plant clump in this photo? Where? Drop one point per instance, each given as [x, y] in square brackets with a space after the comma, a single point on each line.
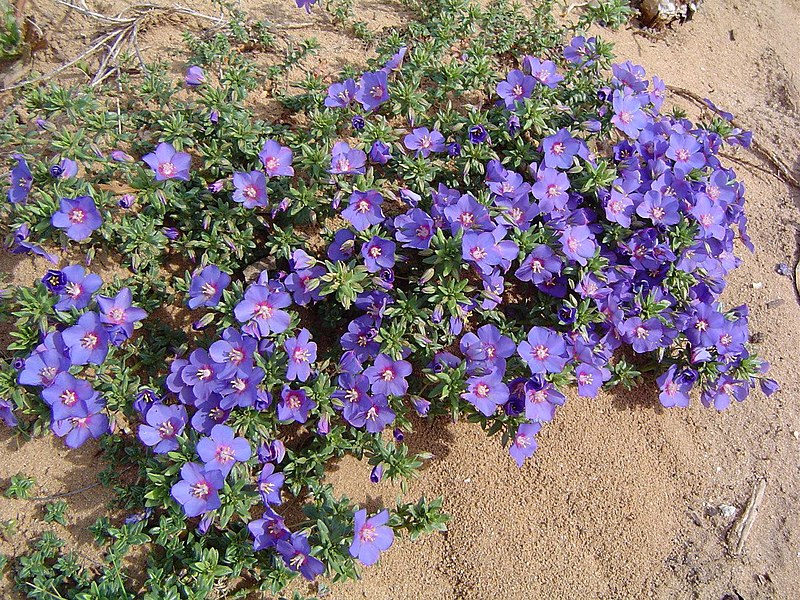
[489, 216]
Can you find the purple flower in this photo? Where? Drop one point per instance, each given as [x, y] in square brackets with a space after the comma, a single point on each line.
[486, 392]
[195, 76]
[577, 242]
[302, 352]
[515, 88]
[643, 336]
[559, 149]
[87, 340]
[277, 159]
[541, 399]
[54, 281]
[202, 376]
[543, 71]
[373, 412]
[479, 249]
[539, 266]
[710, 218]
[275, 451]
[295, 405]
[262, 307]
[360, 338]
[7, 414]
[723, 391]
[524, 444]
[250, 189]
[478, 134]
[467, 213]
[581, 51]
[388, 377]
[197, 491]
[85, 420]
[551, 190]
[340, 95]
[221, 450]
[454, 149]
[120, 156]
[20, 244]
[590, 379]
[307, 4]
[207, 286]
[346, 160]
[371, 536]
[619, 203]
[234, 348]
[163, 424]
[364, 209]
[66, 393]
[209, 413]
[686, 151]
[65, 169]
[414, 229]
[380, 153]
[674, 390]
[270, 484]
[268, 530]
[378, 254]
[119, 314]
[628, 116]
[396, 60]
[296, 553]
[242, 390]
[424, 141]
[372, 90]
[78, 217]
[78, 288]
[358, 122]
[488, 345]
[168, 163]
[341, 248]
[21, 181]
[544, 351]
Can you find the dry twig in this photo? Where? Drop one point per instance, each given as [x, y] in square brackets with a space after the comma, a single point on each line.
[124, 31]
[741, 531]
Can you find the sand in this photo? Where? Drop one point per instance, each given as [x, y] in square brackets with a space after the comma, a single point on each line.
[622, 499]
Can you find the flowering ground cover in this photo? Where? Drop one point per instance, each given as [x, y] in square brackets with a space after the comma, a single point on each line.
[469, 235]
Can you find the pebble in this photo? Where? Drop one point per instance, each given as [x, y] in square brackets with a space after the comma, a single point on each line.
[783, 269]
[727, 510]
[757, 285]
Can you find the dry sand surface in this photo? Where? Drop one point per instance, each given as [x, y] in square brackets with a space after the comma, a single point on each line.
[622, 500]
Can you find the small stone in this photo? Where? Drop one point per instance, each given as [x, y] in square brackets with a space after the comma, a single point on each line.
[468, 480]
[727, 510]
[757, 285]
[775, 303]
[796, 435]
[783, 269]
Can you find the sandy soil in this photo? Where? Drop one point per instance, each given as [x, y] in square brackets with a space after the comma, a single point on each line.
[623, 498]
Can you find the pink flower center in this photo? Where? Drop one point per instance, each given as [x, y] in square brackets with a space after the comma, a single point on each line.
[166, 430]
[262, 311]
[423, 232]
[387, 374]
[301, 355]
[553, 190]
[522, 441]
[167, 169]
[625, 117]
[363, 206]
[223, 454]
[372, 413]
[657, 213]
[641, 332]
[342, 165]
[517, 90]
[425, 142]
[69, 397]
[585, 378]
[375, 252]
[351, 395]
[200, 490]
[266, 487]
[681, 154]
[368, 533]
[90, 341]
[558, 148]
[116, 315]
[236, 356]
[250, 191]
[73, 290]
[541, 352]
[701, 325]
[376, 91]
[239, 384]
[76, 216]
[478, 253]
[466, 219]
[293, 401]
[208, 290]
[482, 390]
[271, 164]
[204, 373]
